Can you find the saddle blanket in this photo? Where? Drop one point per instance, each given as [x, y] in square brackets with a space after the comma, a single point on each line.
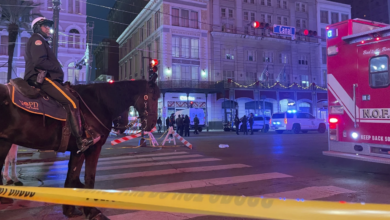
[41, 106]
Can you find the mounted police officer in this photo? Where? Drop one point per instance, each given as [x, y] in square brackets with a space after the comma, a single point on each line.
[44, 71]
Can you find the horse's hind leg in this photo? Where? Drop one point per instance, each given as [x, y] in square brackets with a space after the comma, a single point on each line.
[6, 177]
[91, 160]
[4, 148]
[73, 181]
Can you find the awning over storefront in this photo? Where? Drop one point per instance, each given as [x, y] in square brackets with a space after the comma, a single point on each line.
[243, 94]
[304, 95]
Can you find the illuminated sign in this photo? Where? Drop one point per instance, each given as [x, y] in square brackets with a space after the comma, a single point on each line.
[184, 98]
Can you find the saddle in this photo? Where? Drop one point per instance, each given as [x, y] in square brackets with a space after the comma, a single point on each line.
[35, 101]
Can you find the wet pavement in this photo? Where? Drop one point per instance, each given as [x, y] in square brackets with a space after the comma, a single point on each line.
[270, 165]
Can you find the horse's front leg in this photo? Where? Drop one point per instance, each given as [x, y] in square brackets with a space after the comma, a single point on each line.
[6, 176]
[91, 160]
[13, 155]
[73, 181]
[4, 148]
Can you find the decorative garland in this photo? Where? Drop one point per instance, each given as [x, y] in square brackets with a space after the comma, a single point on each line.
[277, 83]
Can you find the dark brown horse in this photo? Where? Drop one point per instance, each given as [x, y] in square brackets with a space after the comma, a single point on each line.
[106, 101]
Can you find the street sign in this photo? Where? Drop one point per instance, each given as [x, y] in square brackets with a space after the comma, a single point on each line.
[285, 30]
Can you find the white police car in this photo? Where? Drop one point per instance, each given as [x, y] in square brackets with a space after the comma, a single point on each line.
[259, 123]
[296, 122]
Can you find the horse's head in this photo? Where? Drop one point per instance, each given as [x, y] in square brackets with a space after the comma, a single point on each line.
[147, 104]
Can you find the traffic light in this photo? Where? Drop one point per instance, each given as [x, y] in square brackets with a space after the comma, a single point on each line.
[111, 81]
[255, 24]
[153, 62]
[191, 103]
[310, 33]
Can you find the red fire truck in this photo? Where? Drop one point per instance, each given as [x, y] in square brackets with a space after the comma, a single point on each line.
[359, 90]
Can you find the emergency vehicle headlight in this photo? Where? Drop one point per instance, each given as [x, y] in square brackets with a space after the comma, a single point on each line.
[333, 50]
[354, 135]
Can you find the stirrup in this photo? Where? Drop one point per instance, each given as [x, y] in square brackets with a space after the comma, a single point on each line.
[87, 143]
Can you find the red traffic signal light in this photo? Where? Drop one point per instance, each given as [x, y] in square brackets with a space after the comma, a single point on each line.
[255, 24]
[154, 62]
[111, 81]
[306, 32]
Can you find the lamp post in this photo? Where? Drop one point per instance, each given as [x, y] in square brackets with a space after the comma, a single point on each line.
[56, 20]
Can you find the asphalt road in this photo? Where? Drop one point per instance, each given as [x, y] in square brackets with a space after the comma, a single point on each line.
[270, 165]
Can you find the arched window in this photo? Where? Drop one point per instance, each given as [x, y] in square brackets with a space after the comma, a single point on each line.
[3, 77]
[23, 43]
[73, 73]
[74, 39]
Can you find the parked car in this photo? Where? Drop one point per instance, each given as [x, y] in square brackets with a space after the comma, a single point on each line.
[296, 122]
[258, 124]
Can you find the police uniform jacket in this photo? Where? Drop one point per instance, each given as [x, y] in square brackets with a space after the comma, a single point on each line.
[39, 55]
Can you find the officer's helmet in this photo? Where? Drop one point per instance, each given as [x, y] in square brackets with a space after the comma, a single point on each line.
[38, 22]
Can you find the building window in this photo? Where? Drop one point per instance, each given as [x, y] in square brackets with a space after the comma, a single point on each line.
[334, 17]
[323, 55]
[175, 17]
[252, 1]
[298, 23]
[279, 20]
[305, 80]
[74, 39]
[262, 2]
[157, 20]
[223, 12]
[303, 23]
[230, 13]
[246, 1]
[323, 35]
[269, 19]
[285, 21]
[176, 46]
[148, 27]
[253, 17]
[284, 4]
[195, 48]
[158, 49]
[299, 6]
[185, 47]
[246, 16]
[268, 57]
[302, 60]
[324, 77]
[141, 34]
[4, 45]
[195, 73]
[251, 55]
[324, 17]
[344, 17]
[194, 19]
[262, 16]
[23, 43]
[283, 58]
[269, 3]
[130, 48]
[379, 72]
[185, 18]
[77, 6]
[70, 6]
[279, 3]
[49, 5]
[229, 54]
[228, 74]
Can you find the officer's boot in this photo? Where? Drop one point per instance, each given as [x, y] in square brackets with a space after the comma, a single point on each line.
[73, 117]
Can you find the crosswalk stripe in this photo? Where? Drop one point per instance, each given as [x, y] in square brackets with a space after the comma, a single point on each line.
[105, 158]
[208, 182]
[151, 159]
[310, 193]
[103, 168]
[154, 173]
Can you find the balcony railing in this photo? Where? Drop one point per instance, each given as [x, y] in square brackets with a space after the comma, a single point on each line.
[226, 84]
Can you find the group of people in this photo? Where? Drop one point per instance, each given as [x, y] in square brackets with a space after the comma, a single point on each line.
[244, 121]
[182, 123]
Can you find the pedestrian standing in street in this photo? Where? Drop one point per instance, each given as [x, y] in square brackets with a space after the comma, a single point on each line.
[237, 123]
[172, 123]
[196, 124]
[167, 123]
[182, 125]
[186, 126]
[159, 124]
[251, 121]
[179, 124]
[244, 125]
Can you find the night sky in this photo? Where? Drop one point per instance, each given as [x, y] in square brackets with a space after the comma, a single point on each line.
[101, 27]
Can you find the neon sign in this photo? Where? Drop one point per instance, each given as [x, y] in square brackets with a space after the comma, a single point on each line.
[184, 98]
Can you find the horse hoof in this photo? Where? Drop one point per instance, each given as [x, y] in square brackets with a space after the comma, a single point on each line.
[71, 211]
[6, 200]
[18, 183]
[99, 216]
[9, 182]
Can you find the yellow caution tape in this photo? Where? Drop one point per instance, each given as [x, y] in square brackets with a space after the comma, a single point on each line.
[219, 205]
